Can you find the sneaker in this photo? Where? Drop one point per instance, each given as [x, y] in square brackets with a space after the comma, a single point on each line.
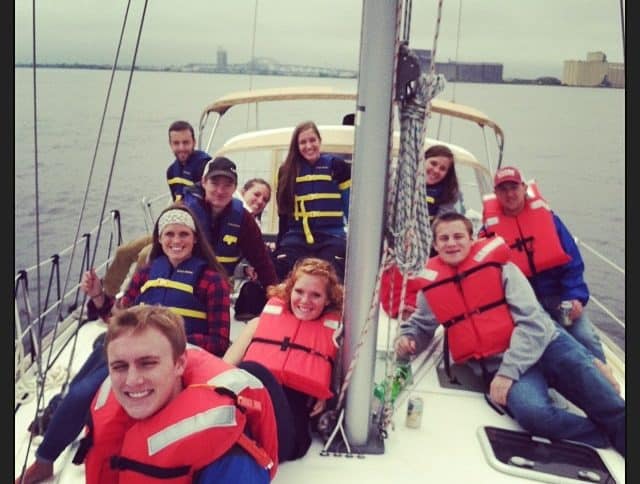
[39, 424]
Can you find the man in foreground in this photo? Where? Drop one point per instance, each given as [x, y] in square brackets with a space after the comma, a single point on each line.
[172, 411]
[495, 323]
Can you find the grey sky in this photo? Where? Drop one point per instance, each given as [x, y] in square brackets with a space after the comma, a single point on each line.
[530, 37]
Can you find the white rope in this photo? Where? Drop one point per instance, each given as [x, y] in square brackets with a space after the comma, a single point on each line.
[598, 254]
[27, 387]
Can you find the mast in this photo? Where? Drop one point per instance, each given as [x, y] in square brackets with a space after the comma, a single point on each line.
[369, 175]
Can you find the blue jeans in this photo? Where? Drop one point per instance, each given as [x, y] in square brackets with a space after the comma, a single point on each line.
[73, 411]
[568, 367]
[581, 329]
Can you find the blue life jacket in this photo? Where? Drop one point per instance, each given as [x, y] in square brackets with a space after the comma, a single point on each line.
[175, 289]
[434, 198]
[181, 176]
[226, 246]
[225, 242]
[318, 199]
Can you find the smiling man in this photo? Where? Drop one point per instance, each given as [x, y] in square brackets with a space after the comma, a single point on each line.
[495, 323]
[186, 170]
[160, 416]
[232, 230]
[544, 250]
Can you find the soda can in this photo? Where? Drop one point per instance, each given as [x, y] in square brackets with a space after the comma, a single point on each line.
[565, 309]
[414, 412]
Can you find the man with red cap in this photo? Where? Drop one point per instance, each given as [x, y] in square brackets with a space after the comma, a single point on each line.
[546, 252]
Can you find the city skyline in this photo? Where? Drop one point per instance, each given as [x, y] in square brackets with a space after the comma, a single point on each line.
[529, 37]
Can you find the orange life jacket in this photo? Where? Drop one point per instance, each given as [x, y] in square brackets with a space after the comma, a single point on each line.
[531, 235]
[300, 354]
[469, 300]
[193, 430]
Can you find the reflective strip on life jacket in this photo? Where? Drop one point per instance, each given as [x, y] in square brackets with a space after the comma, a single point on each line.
[161, 282]
[300, 211]
[236, 380]
[180, 181]
[190, 313]
[226, 260]
[223, 416]
[103, 393]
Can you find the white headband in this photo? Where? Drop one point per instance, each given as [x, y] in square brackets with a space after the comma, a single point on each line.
[175, 216]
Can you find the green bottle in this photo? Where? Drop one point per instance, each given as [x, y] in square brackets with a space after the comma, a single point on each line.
[400, 380]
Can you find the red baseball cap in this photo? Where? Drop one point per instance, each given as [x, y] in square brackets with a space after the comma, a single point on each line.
[507, 174]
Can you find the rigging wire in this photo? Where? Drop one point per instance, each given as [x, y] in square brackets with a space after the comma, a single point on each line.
[86, 193]
[42, 376]
[455, 84]
[622, 29]
[253, 60]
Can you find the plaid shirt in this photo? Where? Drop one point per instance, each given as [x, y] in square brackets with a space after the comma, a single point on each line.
[212, 290]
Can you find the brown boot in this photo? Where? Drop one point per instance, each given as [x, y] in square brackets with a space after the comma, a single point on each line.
[36, 472]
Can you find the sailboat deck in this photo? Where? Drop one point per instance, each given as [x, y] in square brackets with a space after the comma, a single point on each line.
[446, 447]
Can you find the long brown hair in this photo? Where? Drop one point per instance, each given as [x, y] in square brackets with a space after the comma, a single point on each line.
[290, 168]
[451, 190]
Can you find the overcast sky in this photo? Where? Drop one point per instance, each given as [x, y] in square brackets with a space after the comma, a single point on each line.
[529, 37]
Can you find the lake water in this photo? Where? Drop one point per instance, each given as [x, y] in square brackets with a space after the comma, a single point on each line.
[571, 140]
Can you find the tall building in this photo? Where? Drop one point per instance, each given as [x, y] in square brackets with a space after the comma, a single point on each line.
[462, 71]
[221, 58]
[595, 71]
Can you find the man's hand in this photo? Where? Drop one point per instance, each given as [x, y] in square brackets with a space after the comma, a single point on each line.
[499, 389]
[608, 374]
[576, 309]
[405, 345]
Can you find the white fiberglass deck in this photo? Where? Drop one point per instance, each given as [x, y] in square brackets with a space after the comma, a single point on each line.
[445, 448]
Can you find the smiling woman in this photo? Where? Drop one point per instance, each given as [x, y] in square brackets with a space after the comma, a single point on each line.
[183, 275]
[313, 203]
[294, 340]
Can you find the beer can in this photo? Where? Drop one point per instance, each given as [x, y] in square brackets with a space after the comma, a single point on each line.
[565, 309]
[414, 412]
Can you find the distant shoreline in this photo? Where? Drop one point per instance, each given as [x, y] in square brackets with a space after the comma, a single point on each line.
[541, 81]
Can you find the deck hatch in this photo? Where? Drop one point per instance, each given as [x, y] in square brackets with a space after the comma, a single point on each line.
[521, 454]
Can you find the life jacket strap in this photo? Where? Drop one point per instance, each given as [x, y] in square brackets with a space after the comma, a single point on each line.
[286, 343]
[255, 451]
[486, 307]
[120, 463]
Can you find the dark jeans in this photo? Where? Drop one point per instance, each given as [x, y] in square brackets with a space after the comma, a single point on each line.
[291, 412]
[567, 366]
[73, 411]
[294, 246]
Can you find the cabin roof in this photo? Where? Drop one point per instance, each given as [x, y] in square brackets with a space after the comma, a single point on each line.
[335, 139]
[300, 93]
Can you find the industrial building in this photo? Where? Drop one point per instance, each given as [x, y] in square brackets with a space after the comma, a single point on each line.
[462, 71]
[595, 71]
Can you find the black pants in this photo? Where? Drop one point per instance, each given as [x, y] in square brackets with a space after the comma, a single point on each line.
[291, 410]
[293, 247]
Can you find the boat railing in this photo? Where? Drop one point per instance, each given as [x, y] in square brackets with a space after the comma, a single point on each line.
[615, 348]
[45, 304]
[149, 213]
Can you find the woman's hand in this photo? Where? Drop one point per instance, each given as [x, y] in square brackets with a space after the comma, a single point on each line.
[318, 408]
[91, 284]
